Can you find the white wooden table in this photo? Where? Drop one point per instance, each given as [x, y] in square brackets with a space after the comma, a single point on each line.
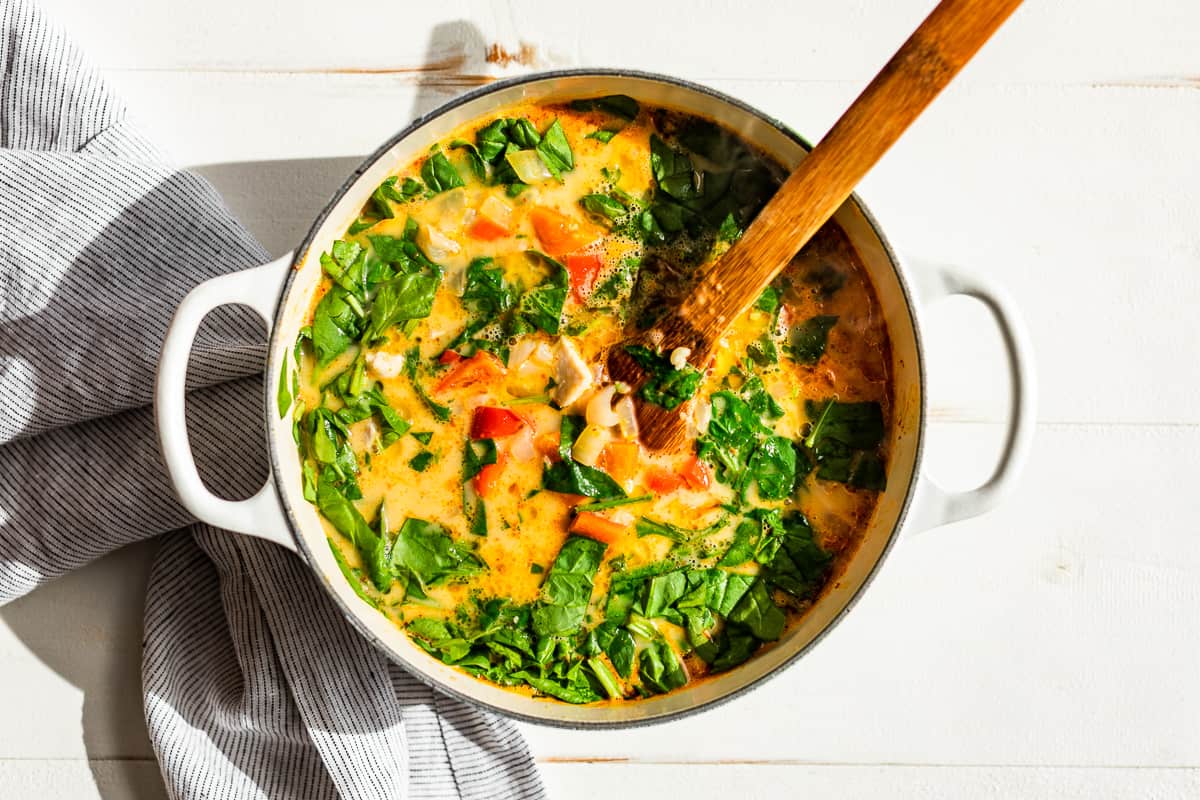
[1050, 649]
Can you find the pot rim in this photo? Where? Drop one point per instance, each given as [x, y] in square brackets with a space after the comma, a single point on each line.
[352, 614]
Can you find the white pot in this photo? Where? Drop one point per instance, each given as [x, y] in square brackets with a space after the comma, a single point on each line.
[280, 293]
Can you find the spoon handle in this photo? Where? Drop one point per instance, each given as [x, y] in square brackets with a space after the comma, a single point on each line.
[919, 70]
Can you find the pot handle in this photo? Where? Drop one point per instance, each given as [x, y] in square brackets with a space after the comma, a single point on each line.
[933, 505]
[261, 515]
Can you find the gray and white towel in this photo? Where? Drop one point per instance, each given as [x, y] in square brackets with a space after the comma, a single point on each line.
[255, 686]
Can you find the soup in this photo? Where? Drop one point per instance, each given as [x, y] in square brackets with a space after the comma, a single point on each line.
[480, 477]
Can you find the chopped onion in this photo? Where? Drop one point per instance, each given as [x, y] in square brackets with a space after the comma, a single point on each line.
[456, 279]
[590, 445]
[522, 445]
[497, 211]
[449, 202]
[627, 417]
[529, 166]
[599, 408]
[435, 244]
[522, 350]
[543, 354]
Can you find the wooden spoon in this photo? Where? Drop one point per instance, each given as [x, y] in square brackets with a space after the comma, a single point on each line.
[919, 70]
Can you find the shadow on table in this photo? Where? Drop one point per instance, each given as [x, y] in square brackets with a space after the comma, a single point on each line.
[87, 625]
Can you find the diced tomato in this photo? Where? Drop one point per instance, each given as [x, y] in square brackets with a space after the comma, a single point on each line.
[488, 479]
[449, 357]
[620, 460]
[490, 422]
[663, 481]
[696, 474]
[602, 529]
[559, 233]
[481, 367]
[487, 229]
[583, 268]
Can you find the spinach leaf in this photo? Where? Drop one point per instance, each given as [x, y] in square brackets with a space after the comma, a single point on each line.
[486, 293]
[649, 527]
[667, 386]
[742, 548]
[412, 361]
[576, 692]
[620, 105]
[424, 551]
[542, 305]
[760, 400]
[607, 677]
[421, 461]
[732, 433]
[664, 591]
[329, 440]
[522, 133]
[474, 159]
[729, 230]
[338, 320]
[474, 460]
[571, 477]
[571, 426]
[368, 402]
[616, 288]
[344, 517]
[283, 397]
[603, 206]
[600, 505]
[617, 643]
[843, 440]
[352, 576]
[738, 645]
[436, 637]
[672, 170]
[723, 590]
[768, 301]
[407, 296]
[555, 151]
[568, 587]
[857, 425]
[439, 174]
[758, 613]
[659, 667]
[492, 139]
[391, 191]
[806, 341]
[403, 251]
[799, 566]
[773, 466]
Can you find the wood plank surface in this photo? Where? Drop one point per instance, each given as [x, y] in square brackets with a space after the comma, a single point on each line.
[1050, 649]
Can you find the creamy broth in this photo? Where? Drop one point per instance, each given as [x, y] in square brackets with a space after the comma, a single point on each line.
[480, 478]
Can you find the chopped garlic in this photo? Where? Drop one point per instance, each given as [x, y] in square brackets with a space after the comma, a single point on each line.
[679, 357]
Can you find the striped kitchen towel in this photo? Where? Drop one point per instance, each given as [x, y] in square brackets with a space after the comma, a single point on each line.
[254, 684]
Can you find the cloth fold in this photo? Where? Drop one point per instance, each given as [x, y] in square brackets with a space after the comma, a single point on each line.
[255, 686]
